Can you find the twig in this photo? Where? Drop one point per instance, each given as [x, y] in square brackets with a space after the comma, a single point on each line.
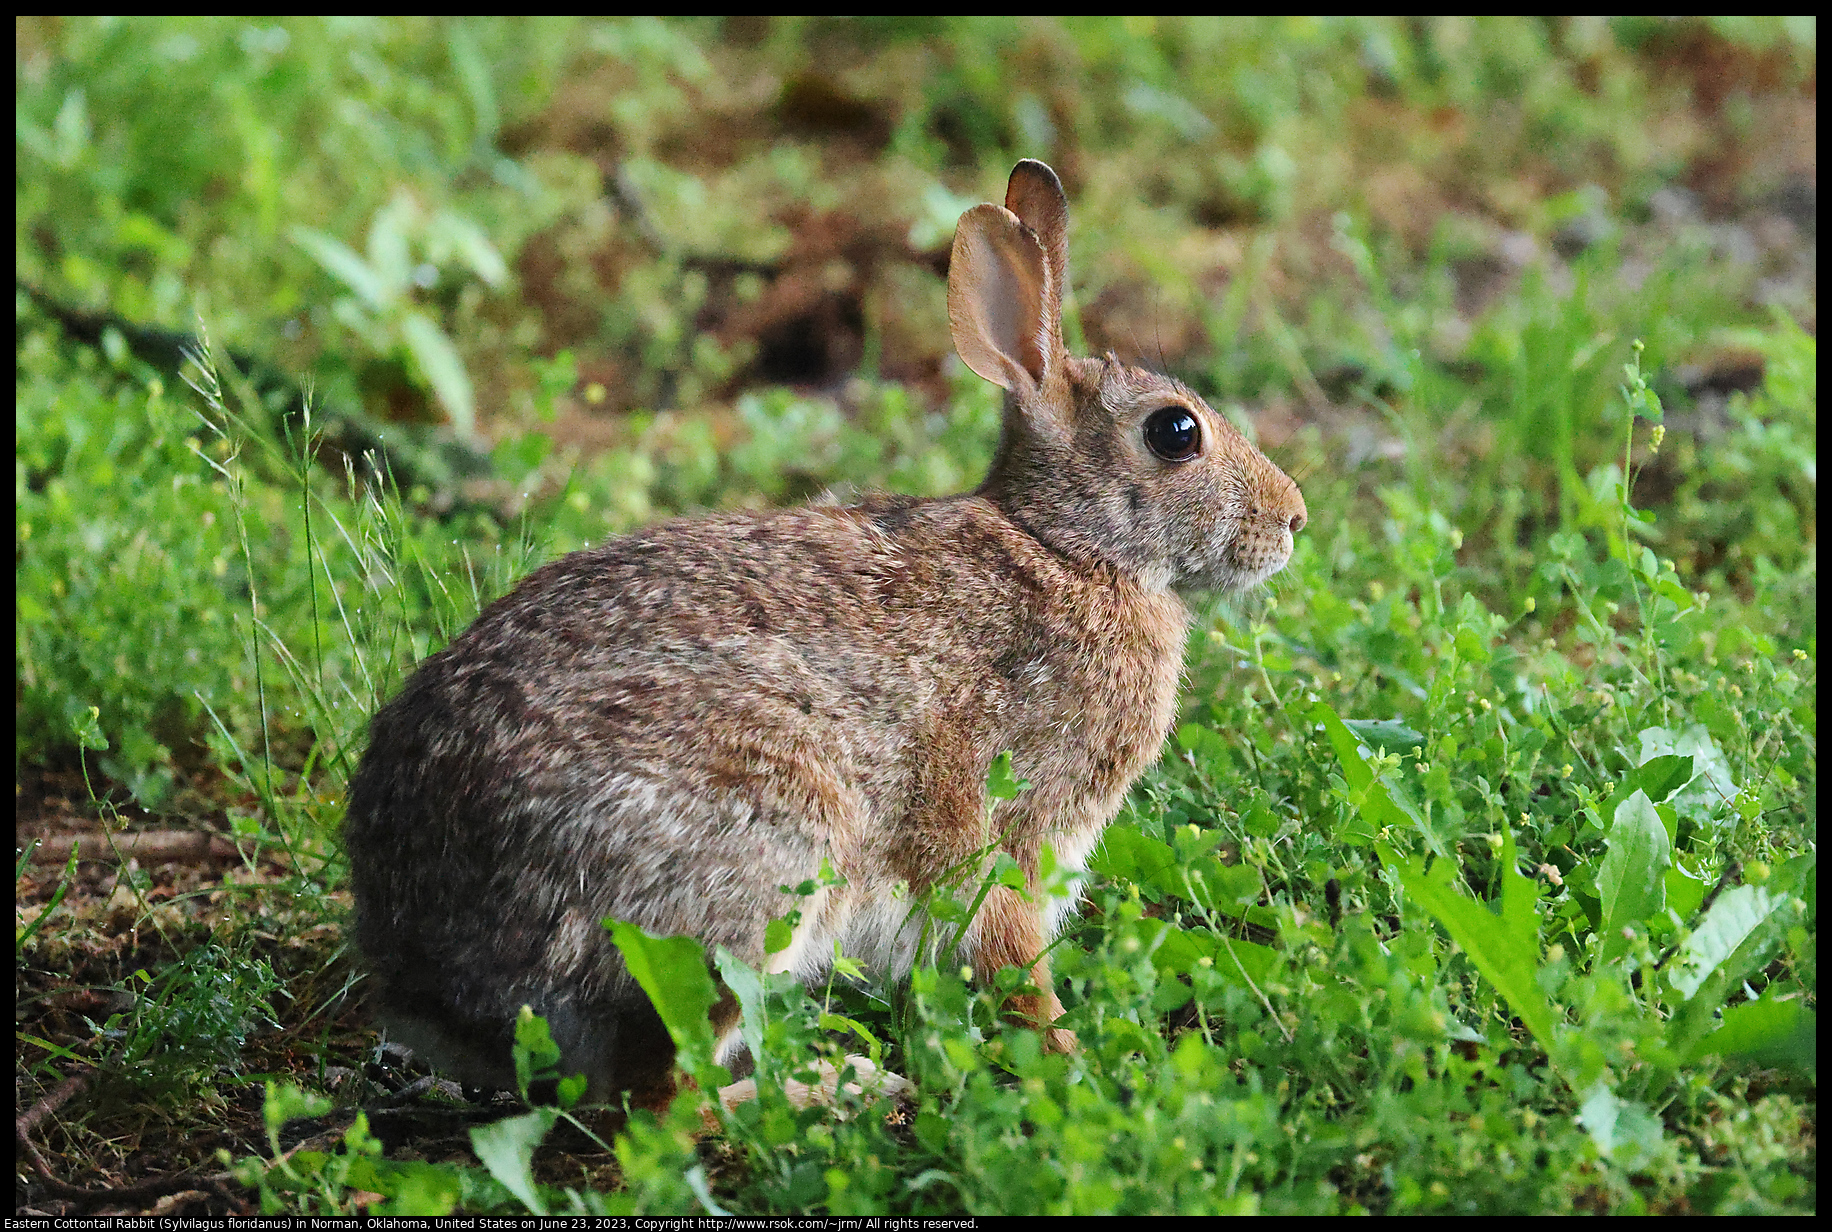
[156, 1187]
[147, 846]
[54, 1099]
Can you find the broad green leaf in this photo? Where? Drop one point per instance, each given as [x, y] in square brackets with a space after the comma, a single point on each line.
[534, 1051]
[1475, 626]
[1379, 807]
[1206, 748]
[87, 729]
[439, 363]
[1355, 769]
[1229, 888]
[1256, 814]
[342, 263]
[1007, 872]
[288, 1103]
[388, 249]
[1001, 784]
[471, 245]
[1659, 777]
[1178, 951]
[1504, 947]
[1631, 878]
[1706, 795]
[1387, 735]
[1795, 876]
[1685, 890]
[506, 1149]
[1122, 1035]
[1737, 913]
[747, 986]
[839, 1022]
[1355, 830]
[1472, 646]
[571, 1090]
[1186, 871]
[1779, 1032]
[1244, 959]
[944, 908]
[672, 970]
[1127, 855]
[1193, 843]
[1622, 1129]
[777, 935]
[412, 1186]
[1682, 598]
[1651, 408]
[1738, 935]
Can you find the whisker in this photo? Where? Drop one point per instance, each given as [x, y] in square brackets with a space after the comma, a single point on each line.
[1157, 333]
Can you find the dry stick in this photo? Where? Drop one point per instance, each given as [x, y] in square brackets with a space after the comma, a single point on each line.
[156, 1187]
[147, 846]
[56, 1098]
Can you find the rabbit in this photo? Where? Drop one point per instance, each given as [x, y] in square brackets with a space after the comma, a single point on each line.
[673, 727]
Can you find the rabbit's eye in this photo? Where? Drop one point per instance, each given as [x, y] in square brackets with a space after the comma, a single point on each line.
[1173, 434]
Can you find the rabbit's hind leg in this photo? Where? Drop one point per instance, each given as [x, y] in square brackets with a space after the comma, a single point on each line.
[1008, 932]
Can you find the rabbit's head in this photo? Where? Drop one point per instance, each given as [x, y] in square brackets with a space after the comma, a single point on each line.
[1105, 463]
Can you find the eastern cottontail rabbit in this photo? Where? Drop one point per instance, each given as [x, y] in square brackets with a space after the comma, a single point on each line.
[670, 728]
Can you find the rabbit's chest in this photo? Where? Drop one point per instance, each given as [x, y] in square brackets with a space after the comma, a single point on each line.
[1085, 725]
[1121, 730]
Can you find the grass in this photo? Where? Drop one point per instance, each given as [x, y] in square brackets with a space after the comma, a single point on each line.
[1479, 874]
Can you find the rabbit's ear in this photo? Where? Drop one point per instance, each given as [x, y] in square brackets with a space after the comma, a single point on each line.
[1001, 299]
[1035, 196]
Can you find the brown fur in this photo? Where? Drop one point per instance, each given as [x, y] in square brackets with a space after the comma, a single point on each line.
[668, 728]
